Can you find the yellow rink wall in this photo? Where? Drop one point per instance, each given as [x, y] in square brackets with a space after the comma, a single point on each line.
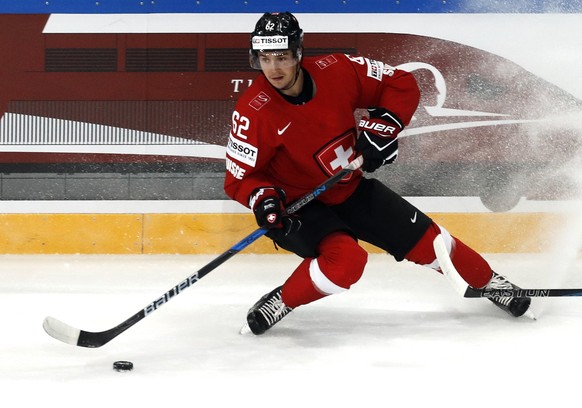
[215, 233]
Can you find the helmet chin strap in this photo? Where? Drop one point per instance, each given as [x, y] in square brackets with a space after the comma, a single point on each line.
[295, 79]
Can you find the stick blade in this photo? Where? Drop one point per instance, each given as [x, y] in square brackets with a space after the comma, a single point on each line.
[61, 331]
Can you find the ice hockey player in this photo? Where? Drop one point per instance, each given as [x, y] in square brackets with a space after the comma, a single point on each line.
[291, 130]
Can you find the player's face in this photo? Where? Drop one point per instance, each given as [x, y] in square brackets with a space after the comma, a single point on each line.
[279, 67]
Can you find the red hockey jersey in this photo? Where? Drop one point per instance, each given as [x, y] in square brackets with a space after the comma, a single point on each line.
[296, 147]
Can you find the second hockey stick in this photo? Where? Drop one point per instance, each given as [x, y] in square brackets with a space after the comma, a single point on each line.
[77, 337]
[464, 289]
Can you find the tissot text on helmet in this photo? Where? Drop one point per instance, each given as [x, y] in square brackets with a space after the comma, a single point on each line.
[276, 42]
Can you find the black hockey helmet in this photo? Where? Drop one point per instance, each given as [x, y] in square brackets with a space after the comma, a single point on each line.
[276, 32]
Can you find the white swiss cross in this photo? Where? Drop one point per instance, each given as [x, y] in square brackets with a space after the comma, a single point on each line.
[342, 157]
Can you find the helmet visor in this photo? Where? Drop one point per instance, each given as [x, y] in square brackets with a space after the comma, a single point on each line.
[266, 60]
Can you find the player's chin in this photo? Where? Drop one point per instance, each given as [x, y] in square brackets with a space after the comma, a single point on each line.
[278, 82]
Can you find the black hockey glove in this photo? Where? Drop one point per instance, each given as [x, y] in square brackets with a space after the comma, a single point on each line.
[268, 204]
[378, 142]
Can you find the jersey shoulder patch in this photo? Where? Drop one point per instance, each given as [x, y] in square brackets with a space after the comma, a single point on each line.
[326, 61]
[259, 101]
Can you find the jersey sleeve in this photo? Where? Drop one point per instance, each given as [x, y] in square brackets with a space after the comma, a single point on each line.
[384, 86]
[247, 155]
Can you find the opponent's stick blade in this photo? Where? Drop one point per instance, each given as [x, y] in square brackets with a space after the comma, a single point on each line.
[447, 267]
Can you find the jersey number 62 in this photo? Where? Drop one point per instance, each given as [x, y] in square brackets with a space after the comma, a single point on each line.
[240, 124]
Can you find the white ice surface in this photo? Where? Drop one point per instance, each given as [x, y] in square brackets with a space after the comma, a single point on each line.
[401, 337]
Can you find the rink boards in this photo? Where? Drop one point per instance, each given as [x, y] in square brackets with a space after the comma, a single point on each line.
[213, 227]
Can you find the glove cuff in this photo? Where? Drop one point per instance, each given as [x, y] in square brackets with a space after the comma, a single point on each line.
[386, 115]
[261, 193]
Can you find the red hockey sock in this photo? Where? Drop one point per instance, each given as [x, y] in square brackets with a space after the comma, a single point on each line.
[470, 265]
[340, 264]
[298, 289]
[423, 252]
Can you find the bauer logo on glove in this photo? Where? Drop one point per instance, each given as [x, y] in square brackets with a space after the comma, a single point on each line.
[381, 129]
[378, 139]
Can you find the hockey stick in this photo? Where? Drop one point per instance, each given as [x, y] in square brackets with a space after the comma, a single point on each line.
[70, 335]
[468, 291]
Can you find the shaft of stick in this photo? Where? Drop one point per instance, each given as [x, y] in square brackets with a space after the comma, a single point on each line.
[70, 335]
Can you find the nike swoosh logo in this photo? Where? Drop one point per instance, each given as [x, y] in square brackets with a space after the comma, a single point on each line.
[413, 219]
[281, 131]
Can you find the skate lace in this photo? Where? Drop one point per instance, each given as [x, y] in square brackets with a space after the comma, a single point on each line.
[274, 309]
[499, 282]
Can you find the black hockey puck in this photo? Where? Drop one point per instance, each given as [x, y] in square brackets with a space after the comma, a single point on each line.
[123, 366]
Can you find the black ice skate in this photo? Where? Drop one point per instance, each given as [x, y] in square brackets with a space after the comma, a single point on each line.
[267, 312]
[515, 306]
